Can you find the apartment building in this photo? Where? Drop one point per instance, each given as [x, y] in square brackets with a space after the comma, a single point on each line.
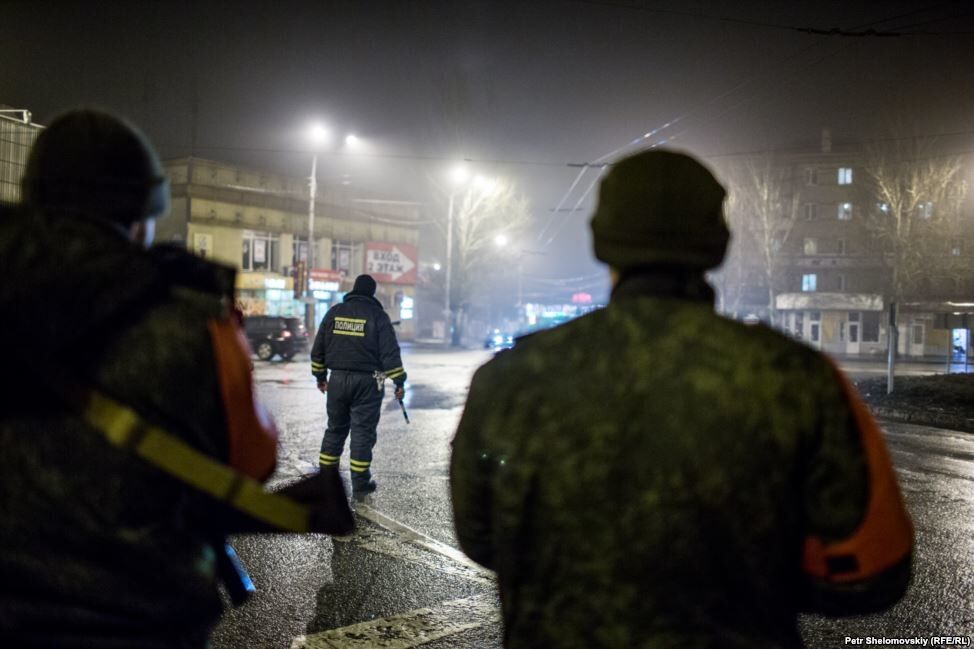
[829, 278]
[17, 134]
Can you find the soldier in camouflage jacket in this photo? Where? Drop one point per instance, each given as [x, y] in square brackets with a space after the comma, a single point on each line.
[99, 548]
[655, 475]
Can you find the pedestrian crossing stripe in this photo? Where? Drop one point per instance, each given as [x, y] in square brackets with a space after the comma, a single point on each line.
[409, 629]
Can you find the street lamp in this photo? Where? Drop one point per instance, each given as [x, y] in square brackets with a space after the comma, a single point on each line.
[318, 135]
[458, 176]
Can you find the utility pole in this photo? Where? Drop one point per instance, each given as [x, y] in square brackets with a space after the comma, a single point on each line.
[892, 342]
[309, 300]
[447, 311]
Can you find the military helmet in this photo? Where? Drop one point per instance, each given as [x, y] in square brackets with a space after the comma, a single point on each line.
[90, 163]
[660, 208]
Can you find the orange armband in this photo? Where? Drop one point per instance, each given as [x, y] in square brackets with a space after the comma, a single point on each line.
[884, 538]
[252, 436]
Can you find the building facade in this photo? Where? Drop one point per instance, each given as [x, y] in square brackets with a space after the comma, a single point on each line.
[259, 223]
[17, 134]
[826, 276]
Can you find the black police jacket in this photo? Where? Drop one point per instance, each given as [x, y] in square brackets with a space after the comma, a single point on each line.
[357, 336]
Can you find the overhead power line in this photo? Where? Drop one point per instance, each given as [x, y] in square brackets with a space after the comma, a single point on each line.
[800, 29]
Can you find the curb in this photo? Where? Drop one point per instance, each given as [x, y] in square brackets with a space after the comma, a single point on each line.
[922, 417]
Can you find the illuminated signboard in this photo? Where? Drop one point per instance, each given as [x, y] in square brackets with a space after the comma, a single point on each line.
[391, 263]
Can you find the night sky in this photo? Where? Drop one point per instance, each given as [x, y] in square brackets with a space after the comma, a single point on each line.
[520, 88]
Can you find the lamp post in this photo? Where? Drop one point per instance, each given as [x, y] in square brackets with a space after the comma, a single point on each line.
[458, 177]
[319, 134]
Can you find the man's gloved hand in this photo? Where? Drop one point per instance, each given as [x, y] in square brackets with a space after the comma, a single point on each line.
[322, 386]
[400, 392]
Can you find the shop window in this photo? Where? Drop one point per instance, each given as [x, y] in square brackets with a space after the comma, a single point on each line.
[300, 249]
[815, 316]
[917, 337]
[854, 316]
[845, 211]
[260, 251]
[870, 327]
[799, 325]
[809, 282]
[342, 255]
[845, 175]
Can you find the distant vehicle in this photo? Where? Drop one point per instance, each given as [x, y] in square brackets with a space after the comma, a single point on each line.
[271, 336]
[496, 340]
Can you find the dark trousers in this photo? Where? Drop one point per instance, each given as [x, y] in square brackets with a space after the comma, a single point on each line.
[353, 406]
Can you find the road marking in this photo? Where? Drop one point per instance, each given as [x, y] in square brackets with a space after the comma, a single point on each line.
[463, 566]
[418, 538]
[409, 629]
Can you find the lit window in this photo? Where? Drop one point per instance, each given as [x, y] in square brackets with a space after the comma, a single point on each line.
[883, 207]
[845, 211]
[925, 210]
[810, 246]
[845, 175]
[809, 281]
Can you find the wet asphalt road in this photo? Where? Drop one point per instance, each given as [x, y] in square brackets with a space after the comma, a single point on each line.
[398, 581]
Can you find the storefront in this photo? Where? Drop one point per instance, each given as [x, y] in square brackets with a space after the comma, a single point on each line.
[326, 290]
[843, 324]
[267, 294]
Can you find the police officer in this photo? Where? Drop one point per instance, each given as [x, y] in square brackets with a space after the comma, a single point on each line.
[653, 474]
[357, 345]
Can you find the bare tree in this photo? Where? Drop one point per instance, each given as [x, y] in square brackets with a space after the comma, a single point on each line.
[731, 278]
[485, 214]
[917, 215]
[761, 211]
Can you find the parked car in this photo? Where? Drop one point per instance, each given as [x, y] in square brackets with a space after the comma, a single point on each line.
[271, 336]
[497, 340]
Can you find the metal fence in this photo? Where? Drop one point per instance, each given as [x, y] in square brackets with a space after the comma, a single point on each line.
[16, 138]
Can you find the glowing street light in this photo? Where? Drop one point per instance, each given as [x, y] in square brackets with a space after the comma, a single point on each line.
[500, 240]
[487, 186]
[319, 135]
[459, 175]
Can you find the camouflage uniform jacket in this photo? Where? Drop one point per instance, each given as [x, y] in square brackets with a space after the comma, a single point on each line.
[654, 475]
[98, 547]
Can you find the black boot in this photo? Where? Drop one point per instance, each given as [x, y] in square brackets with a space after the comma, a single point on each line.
[363, 488]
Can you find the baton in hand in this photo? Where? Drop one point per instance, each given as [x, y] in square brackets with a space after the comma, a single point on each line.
[403, 406]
